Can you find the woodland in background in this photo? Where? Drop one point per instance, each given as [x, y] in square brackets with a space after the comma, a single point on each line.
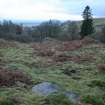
[69, 30]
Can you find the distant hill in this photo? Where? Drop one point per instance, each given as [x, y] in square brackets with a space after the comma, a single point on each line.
[28, 23]
[99, 21]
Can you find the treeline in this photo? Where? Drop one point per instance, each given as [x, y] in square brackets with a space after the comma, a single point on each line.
[13, 31]
[53, 29]
[8, 29]
[99, 34]
[69, 30]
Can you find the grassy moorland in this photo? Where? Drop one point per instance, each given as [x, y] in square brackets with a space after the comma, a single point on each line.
[76, 66]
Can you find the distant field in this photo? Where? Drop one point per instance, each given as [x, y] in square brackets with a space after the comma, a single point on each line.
[99, 21]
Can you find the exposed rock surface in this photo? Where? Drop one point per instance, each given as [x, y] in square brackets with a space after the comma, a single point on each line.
[47, 88]
[72, 96]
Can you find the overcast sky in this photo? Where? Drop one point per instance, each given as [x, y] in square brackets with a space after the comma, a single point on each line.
[49, 9]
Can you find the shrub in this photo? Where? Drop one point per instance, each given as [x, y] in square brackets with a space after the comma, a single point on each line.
[58, 99]
[101, 67]
[94, 100]
[69, 72]
[61, 58]
[46, 52]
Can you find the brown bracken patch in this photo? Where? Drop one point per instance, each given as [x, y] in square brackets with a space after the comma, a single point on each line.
[9, 77]
[76, 59]
[76, 44]
[50, 48]
[101, 67]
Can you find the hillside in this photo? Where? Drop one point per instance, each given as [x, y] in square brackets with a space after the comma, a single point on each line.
[99, 21]
[77, 66]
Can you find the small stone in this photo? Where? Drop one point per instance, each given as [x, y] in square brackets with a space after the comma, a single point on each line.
[20, 84]
[72, 96]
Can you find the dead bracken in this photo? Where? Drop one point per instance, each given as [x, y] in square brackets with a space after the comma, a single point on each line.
[9, 77]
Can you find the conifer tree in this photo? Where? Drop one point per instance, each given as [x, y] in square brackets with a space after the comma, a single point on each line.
[87, 25]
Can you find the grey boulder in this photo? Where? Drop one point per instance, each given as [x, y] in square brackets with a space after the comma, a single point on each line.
[46, 88]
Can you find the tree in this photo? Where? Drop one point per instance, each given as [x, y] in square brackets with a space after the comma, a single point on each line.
[87, 25]
[19, 29]
[102, 35]
[103, 30]
[48, 29]
[73, 30]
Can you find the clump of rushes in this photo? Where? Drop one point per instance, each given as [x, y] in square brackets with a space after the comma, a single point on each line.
[58, 99]
[5, 101]
[94, 100]
[98, 83]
